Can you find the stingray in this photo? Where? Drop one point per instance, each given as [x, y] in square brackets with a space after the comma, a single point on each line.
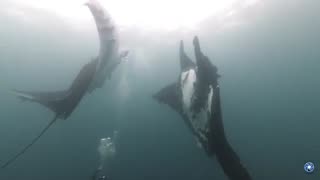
[62, 103]
[90, 77]
[196, 97]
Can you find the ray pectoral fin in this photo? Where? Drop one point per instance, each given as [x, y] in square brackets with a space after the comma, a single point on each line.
[52, 100]
[169, 95]
[226, 156]
[230, 162]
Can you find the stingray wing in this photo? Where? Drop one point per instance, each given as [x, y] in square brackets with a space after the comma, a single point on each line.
[52, 100]
[106, 28]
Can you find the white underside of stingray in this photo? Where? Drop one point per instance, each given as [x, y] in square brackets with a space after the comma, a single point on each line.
[109, 56]
[199, 121]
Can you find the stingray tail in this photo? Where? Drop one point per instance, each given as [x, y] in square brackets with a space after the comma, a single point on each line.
[30, 144]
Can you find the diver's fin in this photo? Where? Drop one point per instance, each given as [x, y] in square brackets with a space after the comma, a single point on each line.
[30, 144]
[185, 62]
[170, 96]
[52, 100]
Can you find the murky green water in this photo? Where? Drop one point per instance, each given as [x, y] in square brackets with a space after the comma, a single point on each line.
[269, 60]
